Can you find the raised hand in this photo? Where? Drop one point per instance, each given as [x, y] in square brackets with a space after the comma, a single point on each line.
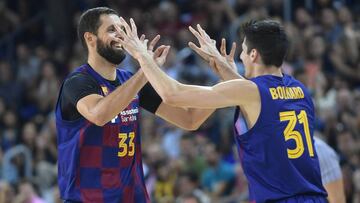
[136, 46]
[223, 64]
[229, 58]
[160, 54]
[207, 47]
[129, 39]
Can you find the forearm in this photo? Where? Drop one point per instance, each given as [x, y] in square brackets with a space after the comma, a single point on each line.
[111, 105]
[335, 190]
[199, 116]
[163, 84]
[225, 68]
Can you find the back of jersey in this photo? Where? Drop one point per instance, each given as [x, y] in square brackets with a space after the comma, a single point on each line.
[277, 153]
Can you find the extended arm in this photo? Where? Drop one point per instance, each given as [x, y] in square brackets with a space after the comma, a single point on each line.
[100, 110]
[224, 94]
[185, 118]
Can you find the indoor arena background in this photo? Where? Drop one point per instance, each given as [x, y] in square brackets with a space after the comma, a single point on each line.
[39, 46]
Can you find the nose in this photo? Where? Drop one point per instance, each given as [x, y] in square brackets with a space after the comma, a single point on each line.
[117, 34]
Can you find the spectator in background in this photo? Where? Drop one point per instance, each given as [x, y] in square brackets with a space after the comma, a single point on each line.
[27, 193]
[7, 193]
[189, 184]
[10, 90]
[28, 66]
[219, 176]
[330, 171]
[10, 131]
[47, 88]
[189, 198]
[17, 164]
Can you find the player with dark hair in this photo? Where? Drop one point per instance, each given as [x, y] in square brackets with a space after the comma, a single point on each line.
[97, 117]
[276, 151]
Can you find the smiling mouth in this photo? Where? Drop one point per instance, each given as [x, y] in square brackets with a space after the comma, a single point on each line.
[117, 45]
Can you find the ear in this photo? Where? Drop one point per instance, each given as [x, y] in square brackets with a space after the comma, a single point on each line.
[254, 55]
[90, 39]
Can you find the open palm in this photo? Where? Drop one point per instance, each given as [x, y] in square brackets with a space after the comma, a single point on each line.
[210, 53]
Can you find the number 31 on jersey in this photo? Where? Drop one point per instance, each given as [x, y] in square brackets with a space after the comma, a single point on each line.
[291, 134]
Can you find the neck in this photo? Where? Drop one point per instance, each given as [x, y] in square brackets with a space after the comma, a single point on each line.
[259, 70]
[106, 69]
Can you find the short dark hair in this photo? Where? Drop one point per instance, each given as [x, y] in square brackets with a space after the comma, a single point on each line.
[268, 38]
[90, 21]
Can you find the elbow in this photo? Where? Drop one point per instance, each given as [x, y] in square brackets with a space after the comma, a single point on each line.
[189, 127]
[168, 98]
[100, 124]
[98, 120]
[170, 94]
[192, 125]
[192, 128]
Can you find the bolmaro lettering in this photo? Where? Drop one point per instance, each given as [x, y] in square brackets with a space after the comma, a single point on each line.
[282, 92]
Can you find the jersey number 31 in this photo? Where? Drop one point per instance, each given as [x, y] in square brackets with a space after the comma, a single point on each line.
[291, 134]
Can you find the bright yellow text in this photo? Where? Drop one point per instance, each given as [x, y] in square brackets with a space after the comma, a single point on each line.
[282, 92]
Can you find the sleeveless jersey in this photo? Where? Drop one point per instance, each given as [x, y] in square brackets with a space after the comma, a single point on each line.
[278, 154]
[101, 164]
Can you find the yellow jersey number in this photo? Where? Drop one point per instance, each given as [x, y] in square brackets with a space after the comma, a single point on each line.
[126, 148]
[291, 134]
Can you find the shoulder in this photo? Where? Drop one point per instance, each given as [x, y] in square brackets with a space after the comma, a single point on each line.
[243, 84]
[78, 78]
[241, 91]
[236, 86]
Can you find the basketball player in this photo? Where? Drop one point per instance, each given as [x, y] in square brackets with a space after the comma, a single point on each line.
[277, 150]
[97, 118]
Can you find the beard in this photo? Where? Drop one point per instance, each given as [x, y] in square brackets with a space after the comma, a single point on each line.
[114, 56]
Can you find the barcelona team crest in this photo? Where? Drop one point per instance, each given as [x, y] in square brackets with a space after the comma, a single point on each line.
[105, 90]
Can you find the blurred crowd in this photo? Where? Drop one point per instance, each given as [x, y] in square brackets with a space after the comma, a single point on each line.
[39, 47]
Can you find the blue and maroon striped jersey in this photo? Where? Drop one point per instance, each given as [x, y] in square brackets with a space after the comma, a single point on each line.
[101, 164]
[277, 153]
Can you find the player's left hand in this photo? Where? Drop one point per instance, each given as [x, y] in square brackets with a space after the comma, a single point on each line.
[208, 51]
[227, 60]
[207, 47]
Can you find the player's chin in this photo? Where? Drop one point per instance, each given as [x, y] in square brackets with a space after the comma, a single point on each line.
[119, 52]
